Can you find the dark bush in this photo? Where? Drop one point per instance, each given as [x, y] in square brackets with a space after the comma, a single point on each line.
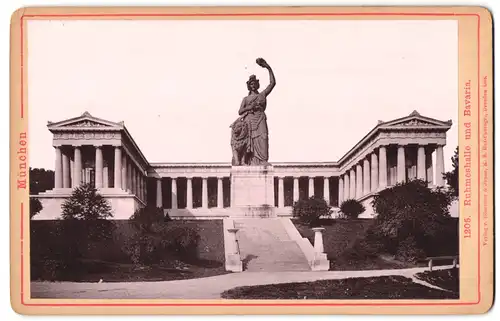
[310, 210]
[411, 215]
[351, 208]
[35, 206]
[85, 229]
[147, 217]
[183, 241]
[408, 251]
[61, 261]
[155, 240]
[368, 246]
[85, 203]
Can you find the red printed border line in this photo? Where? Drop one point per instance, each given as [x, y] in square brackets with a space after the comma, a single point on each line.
[302, 14]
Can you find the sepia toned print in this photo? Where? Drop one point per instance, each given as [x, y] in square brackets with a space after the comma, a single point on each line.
[161, 176]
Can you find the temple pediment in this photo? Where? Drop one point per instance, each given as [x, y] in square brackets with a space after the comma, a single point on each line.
[416, 120]
[85, 121]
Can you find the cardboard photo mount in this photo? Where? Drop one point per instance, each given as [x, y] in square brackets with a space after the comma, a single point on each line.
[475, 110]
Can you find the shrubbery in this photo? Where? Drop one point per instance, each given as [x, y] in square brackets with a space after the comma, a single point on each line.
[155, 240]
[85, 228]
[351, 208]
[412, 222]
[311, 210]
[85, 203]
[410, 218]
[35, 206]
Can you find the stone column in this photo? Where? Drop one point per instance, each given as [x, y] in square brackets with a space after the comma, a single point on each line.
[359, 181]
[439, 165]
[98, 166]
[174, 193]
[142, 192]
[105, 172]
[66, 170]
[374, 171]
[295, 189]
[124, 172]
[220, 193]
[159, 193]
[138, 183]
[142, 186]
[204, 192]
[366, 176]
[430, 168]
[421, 171]
[78, 166]
[326, 189]
[311, 186]
[352, 184]
[401, 164]
[382, 168]
[71, 170]
[132, 179]
[130, 176]
[347, 187]
[189, 193]
[281, 193]
[341, 190]
[118, 167]
[58, 169]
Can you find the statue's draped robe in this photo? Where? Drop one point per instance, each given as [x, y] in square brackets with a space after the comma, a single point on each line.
[253, 131]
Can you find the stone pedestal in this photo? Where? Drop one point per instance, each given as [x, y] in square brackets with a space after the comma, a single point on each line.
[252, 191]
[233, 257]
[320, 262]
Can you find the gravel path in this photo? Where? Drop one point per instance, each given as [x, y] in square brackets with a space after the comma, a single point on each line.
[203, 288]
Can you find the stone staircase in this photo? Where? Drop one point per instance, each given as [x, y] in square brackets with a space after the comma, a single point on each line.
[266, 246]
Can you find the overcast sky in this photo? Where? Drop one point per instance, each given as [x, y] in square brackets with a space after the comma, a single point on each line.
[178, 85]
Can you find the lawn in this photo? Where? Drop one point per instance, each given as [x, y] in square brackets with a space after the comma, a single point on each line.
[386, 287]
[339, 239]
[93, 271]
[445, 279]
[107, 260]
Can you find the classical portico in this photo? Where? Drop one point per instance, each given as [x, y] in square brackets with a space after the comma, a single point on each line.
[103, 153]
[394, 152]
[89, 150]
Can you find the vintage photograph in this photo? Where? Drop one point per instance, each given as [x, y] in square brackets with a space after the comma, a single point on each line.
[248, 159]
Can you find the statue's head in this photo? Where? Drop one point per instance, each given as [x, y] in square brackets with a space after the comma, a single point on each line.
[253, 83]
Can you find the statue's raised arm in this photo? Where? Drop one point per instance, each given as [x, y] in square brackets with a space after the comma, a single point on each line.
[272, 80]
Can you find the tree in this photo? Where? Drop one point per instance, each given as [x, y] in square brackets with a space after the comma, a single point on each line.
[41, 180]
[147, 218]
[35, 206]
[452, 176]
[411, 214]
[154, 240]
[311, 210]
[85, 203]
[85, 221]
[351, 208]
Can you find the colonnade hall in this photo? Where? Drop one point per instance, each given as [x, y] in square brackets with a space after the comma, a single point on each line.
[103, 153]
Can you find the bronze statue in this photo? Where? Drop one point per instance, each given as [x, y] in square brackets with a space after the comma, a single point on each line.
[249, 134]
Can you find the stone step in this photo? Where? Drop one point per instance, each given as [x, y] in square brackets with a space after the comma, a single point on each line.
[265, 246]
[272, 227]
